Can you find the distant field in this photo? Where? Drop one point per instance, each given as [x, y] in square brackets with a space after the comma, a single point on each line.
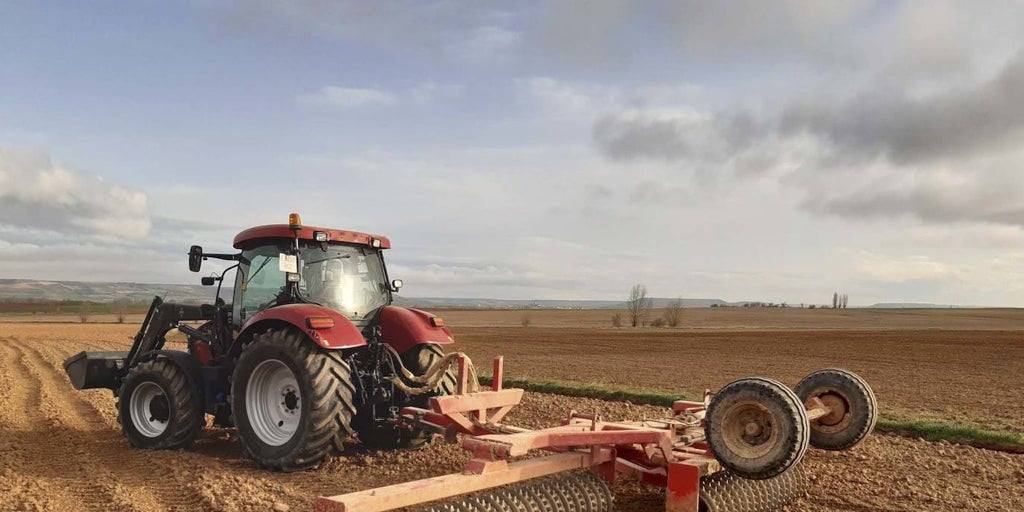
[1001, 319]
[755, 318]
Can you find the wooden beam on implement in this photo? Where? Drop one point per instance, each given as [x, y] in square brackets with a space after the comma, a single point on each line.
[432, 489]
[451, 404]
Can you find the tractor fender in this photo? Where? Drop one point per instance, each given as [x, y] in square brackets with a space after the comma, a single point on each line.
[343, 334]
[404, 328]
[184, 361]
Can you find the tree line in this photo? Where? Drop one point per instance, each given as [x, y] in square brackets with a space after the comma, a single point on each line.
[639, 305]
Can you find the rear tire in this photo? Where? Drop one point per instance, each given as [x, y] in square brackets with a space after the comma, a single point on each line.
[417, 360]
[757, 428]
[854, 403]
[292, 401]
[158, 407]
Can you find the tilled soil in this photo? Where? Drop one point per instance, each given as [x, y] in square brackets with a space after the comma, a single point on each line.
[61, 449]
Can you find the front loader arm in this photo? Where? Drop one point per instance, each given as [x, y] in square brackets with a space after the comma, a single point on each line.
[91, 370]
[162, 317]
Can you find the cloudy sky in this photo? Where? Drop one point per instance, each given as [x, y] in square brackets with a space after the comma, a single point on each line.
[741, 150]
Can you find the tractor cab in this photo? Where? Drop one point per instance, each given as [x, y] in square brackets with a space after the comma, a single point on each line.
[344, 272]
[346, 278]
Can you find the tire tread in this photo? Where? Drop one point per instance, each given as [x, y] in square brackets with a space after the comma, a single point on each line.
[189, 418]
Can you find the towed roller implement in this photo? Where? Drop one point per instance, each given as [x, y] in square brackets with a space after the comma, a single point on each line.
[737, 450]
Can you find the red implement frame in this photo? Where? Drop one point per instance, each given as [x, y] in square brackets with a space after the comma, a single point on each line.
[670, 454]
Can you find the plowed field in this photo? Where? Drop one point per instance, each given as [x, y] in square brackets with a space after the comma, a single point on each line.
[975, 377]
[61, 449]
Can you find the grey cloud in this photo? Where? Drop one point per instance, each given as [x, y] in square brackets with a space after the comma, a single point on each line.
[37, 193]
[724, 27]
[905, 130]
[637, 134]
[880, 124]
[648, 192]
[918, 39]
[599, 34]
[993, 196]
[946, 157]
[606, 29]
[598, 191]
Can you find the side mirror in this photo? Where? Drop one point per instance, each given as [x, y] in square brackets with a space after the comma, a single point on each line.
[396, 285]
[195, 258]
[210, 280]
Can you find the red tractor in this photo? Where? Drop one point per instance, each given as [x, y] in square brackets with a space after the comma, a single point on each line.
[309, 351]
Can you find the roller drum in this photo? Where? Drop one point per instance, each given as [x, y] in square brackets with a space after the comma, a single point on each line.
[573, 492]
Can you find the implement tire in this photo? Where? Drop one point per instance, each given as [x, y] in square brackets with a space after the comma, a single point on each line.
[757, 428]
[855, 408]
[158, 407]
[292, 401]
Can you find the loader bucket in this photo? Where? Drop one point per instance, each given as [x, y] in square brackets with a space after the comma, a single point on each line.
[92, 370]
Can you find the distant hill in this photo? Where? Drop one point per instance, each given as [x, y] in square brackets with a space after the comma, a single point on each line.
[32, 290]
[913, 305]
[29, 290]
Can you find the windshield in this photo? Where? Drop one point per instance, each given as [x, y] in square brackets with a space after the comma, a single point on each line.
[347, 278]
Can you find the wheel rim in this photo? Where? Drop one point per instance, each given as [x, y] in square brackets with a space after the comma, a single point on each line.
[149, 409]
[273, 402]
[839, 418]
[750, 430]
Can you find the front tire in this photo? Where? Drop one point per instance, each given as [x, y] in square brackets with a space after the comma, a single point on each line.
[292, 401]
[158, 407]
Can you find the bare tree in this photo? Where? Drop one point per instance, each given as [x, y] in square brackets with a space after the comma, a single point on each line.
[835, 300]
[617, 320]
[845, 300]
[639, 305]
[673, 312]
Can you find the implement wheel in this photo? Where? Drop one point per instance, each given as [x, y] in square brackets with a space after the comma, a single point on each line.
[852, 402]
[292, 401]
[757, 428]
[158, 407]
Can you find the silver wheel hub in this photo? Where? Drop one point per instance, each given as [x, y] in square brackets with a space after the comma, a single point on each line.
[273, 402]
[149, 409]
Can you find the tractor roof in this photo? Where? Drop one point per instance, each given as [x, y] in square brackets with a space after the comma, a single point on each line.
[306, 233]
